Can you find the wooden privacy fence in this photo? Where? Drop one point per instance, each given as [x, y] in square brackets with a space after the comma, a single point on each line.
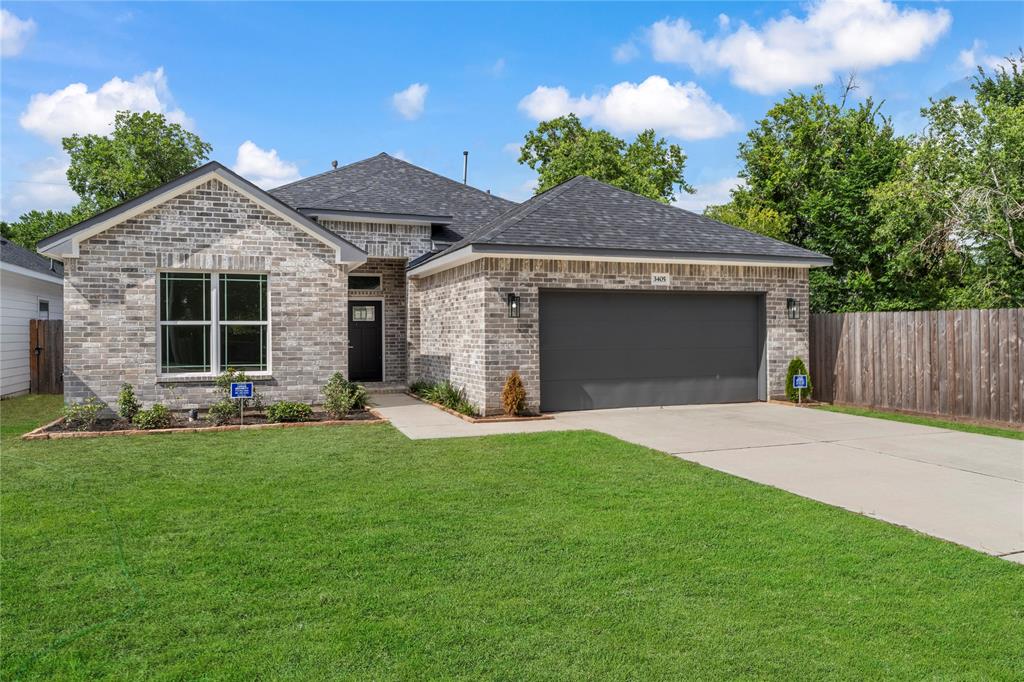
[46, 356]
[957, 363]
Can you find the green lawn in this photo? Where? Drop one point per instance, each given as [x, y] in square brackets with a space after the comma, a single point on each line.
[351, 552]
[925, 421]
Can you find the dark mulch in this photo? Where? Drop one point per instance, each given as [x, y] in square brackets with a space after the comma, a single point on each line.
[182, 422]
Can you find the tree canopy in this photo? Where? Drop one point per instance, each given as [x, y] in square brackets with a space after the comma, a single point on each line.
[562, 148]
[143, 152]
[932, 220]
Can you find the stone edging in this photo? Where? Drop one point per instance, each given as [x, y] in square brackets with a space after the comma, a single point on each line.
[480, 420]
[41, 433]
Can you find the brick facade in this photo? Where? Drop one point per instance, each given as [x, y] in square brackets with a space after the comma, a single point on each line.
[383, 240]
[500, 344]
[111, 298]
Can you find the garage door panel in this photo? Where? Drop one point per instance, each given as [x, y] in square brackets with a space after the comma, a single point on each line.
[618, 349]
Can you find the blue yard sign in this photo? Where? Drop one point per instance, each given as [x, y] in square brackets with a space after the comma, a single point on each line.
[799, 381]
[241, 389]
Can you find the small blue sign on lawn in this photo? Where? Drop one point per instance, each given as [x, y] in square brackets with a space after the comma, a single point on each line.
[799, 381]
[241, 389]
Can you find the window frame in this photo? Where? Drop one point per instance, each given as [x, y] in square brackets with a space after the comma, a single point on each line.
[215, 324]
[376, 290]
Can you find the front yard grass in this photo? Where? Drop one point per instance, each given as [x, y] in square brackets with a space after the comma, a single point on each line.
[925, 421]
[355, 553]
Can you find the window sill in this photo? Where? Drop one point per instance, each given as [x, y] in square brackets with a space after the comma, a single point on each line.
[205, 378]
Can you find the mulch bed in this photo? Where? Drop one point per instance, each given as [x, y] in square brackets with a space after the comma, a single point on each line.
[482, 420]
[181, 424]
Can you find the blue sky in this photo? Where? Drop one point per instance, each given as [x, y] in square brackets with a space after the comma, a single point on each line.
[280, 90]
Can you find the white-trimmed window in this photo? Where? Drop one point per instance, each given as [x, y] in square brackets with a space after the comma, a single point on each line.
[209, 322]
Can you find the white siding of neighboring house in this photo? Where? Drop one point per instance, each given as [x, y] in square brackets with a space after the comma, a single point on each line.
[19, 303]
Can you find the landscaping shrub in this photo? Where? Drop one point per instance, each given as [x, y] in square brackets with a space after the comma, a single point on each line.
[341, 396]
[286, 411]
[84, 415]
[223, 384]
[797, 366]
[156, 417]
[127, 404]
[222, 411]
[513, 395]
[446, 394]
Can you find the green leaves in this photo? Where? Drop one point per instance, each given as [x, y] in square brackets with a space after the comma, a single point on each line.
[562, 148]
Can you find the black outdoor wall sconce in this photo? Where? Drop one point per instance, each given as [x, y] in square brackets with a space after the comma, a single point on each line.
[792, 308]
[513, 305]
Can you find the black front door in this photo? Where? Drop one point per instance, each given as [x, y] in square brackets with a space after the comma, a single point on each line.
[365, 341]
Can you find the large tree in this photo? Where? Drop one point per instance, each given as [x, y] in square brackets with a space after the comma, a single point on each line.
[143, 152]
[809, 167]
[956, 204]
[562, 148]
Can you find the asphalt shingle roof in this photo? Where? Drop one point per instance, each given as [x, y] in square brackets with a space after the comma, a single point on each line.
[384, 184]
[23, 258]
[584, 213]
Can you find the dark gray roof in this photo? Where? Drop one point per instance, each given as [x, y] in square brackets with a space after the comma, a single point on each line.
[211, 167]
[385, 185]
[15, 255]
[586, 215]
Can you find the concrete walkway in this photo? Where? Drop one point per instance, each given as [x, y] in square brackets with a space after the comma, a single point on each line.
[961, 487]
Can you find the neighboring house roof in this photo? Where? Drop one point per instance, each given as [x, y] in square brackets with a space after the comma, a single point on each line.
[585, 216]
[387, 187]
[17, 259]
[64, 244]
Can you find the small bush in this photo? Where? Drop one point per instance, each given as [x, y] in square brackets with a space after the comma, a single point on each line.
[127, 404]
[156, 417]
[341, 396]
[223, 384]
[286, 411]
[513, 395]
[222, 411]
[446, 394]
[84, 415]
[797, 366]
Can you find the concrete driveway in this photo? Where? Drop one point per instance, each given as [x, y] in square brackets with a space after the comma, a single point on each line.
[958, 486]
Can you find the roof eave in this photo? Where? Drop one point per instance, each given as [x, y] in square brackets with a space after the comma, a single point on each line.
[470, 252]
[371, 216]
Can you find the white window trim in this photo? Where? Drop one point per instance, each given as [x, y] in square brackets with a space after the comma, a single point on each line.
[214, 323]
[358, 292]
[383, 332]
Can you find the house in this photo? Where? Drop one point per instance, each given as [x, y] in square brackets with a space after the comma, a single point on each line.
[31, 288]
[393, 274]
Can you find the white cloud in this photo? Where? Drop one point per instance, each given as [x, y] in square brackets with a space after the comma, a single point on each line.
[970, 59]
[262, 167]
[410, 102]
[682, 110]
[626, 52]
[498, 67]
[708, 194]
[45, 187]
[834, 36]
[14, 33]
[513, 148]
[76, 109]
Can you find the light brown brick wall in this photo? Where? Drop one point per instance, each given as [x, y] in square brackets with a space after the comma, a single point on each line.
[111, 291]
[515, 343]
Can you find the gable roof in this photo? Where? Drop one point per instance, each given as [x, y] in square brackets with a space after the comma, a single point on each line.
[585, 216]
[28, 263]
[391, 188]
[64, 244]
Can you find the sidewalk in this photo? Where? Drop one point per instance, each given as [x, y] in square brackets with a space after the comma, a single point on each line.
[417, 420]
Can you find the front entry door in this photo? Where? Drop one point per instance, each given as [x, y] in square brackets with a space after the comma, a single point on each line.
[365, 341]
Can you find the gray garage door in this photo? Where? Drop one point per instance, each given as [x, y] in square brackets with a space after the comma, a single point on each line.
[621, 349]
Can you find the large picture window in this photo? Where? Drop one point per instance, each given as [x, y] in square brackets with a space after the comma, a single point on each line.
[211, 322]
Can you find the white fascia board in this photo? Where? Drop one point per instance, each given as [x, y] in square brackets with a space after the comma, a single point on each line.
[467, 254]
[69, 248]
[25, 272]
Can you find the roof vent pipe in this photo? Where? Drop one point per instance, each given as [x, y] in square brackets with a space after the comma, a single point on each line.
[465, 167]
[334, 164]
